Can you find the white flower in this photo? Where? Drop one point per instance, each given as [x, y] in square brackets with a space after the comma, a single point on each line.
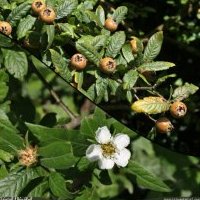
[110, 150]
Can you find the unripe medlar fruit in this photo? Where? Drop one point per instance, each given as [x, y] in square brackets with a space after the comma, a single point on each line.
[110, 24]
[38, 5]
[134, 47]
[107, 65]
[47, 15]
[5, 28]
[164, 125]
[78, 61]
[178, 109]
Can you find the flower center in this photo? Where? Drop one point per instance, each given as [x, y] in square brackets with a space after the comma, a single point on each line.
[108, 149]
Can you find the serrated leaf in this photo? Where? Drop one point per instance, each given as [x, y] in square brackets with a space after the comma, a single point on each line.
[146, 179]
[99, 41]
[115, 44]
[57, 155]
[15, 182]
[10, 140]
[119, 14]
[150, 105]
[18, 12]
[130, 79]
[184, 91]
[156, 66]
[66, 7]
[47, 135]
[88, 51]
[61, 65]
[100, 14]
[24, 26]
[58, 186]
[16, 63]
[127, 52]
[153, 46]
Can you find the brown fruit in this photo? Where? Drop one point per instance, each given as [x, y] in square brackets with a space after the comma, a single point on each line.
[78, 61]
[164, 125]
[107, 65]
[110, 25]
[47, 15]
[178, 109]
[5, 28]
[38, 5]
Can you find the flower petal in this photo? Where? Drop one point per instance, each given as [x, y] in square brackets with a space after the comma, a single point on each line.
[94, 152]
[103, 135]
[106, 163]
[122, 158]
[121, 140]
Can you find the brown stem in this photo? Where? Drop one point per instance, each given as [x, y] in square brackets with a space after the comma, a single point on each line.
[55, 96]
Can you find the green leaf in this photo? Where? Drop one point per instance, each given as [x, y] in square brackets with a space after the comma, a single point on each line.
[146, 179]
[93, 17]
[84, 47]
[115, 44]
[6, 156]
[3, 86]
[150, 105]
[5, 41]
[68, 29]
[164, 78]
[127, 52]
[39, 190]
[153, 46]
[184, 91]
[130, 79]
[58, 186]
[50, 30]
[65, 8]
[61, 65]
[101, 14]
[129, 96]
[156, 66]
[113, 85]
[99, 41]
[47, 135]
[25, 25]
[57, 155]
[9, 139]
[89, 194]
[119, 14]
[15, 182]
[78, 141]
[101, 89]
[18, 12]
[15, 62]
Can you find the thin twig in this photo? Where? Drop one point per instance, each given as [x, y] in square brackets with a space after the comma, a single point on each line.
[55, 96]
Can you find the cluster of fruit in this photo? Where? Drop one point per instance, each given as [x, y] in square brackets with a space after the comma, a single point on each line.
[107, 65]
[178, 110]
[46, 14]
